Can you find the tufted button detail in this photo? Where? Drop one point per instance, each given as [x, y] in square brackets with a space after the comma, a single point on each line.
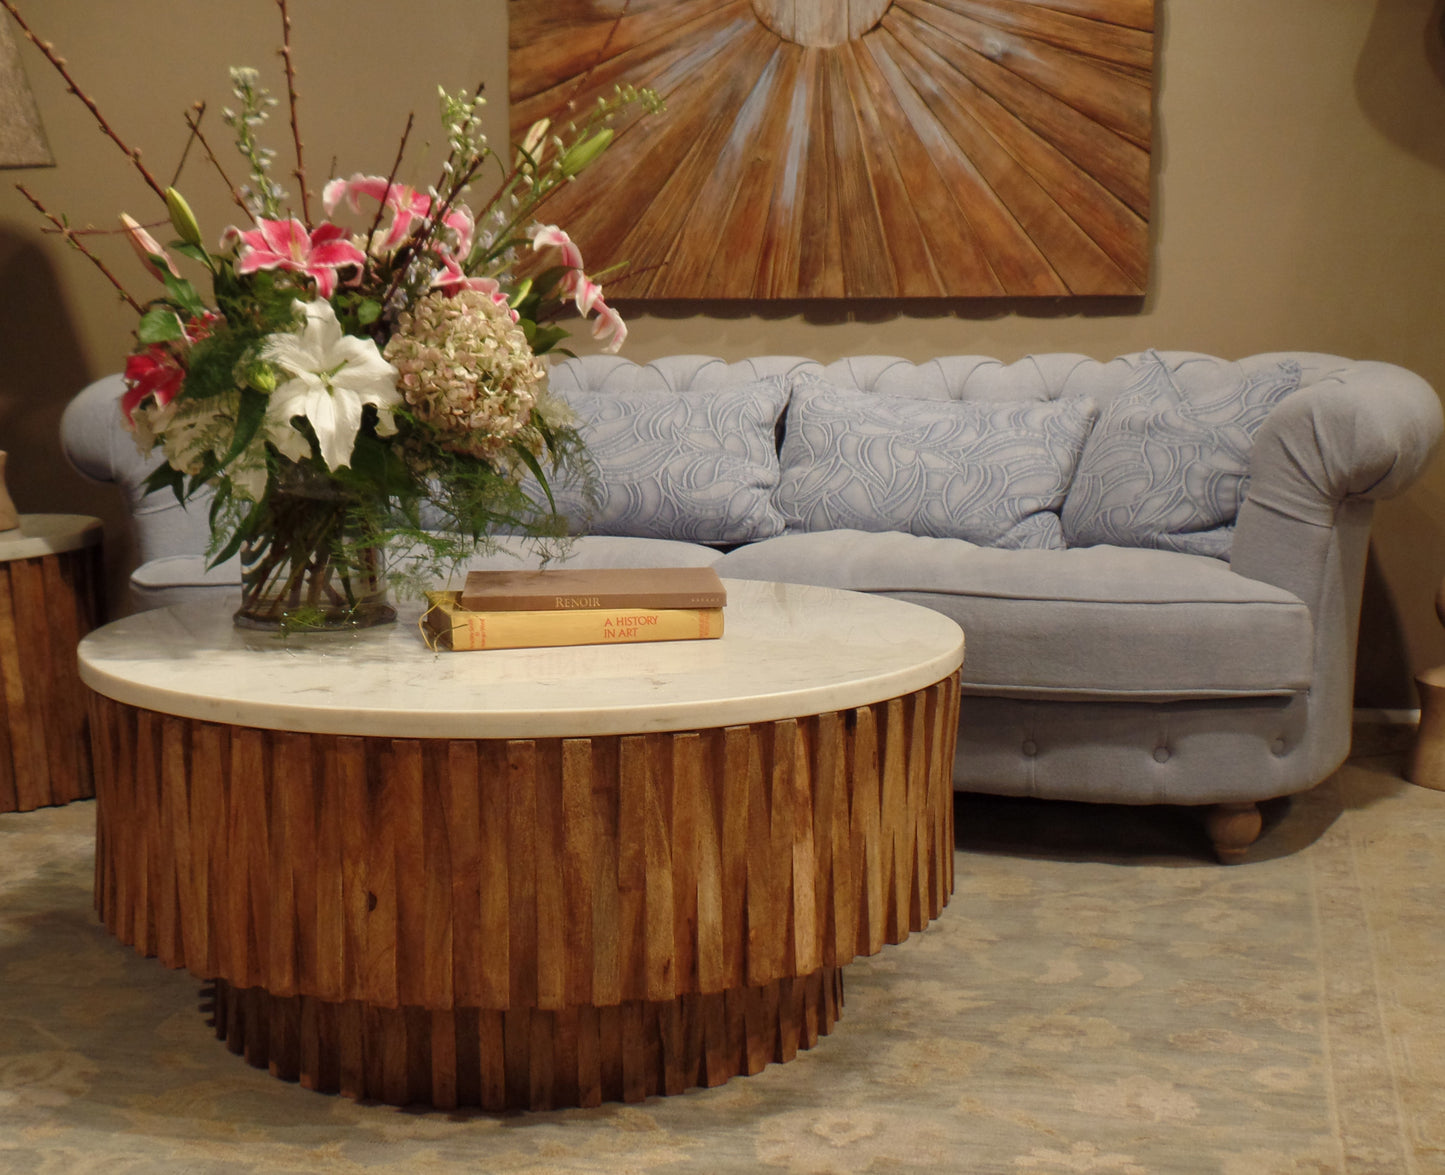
[1030, 748]
[1277, 746]
[1161, 754]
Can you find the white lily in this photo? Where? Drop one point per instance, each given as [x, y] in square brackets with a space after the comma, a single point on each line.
[333, 377]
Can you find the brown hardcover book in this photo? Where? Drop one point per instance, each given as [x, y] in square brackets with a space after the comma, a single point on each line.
[567, 589]
[454, 627]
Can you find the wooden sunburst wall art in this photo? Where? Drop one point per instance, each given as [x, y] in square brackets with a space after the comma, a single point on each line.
[854, 148]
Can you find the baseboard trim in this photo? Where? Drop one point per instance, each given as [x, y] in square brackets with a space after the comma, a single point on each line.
[1387, 717]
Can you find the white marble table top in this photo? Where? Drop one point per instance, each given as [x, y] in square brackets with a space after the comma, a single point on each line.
[48, 534]
[786, 651]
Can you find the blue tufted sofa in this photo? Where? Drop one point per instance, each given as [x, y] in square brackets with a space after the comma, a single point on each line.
[1156, 560]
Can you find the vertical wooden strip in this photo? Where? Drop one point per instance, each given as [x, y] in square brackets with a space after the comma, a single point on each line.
[494, 877]
[688, 806]
[866, 821]
[36, 670]
[208, 847]
[761, 906]
[805, 953]
[522, 865]
[711, 930]
[835, 745]
[462, 797]
[328, 979]
[589, 1059]
[63, 718]
[606, 896]
[660, 982]
[145, 834]
[442, 1054]
[104, 715]
[739, 758]
[381, 981]
[405, 814]
[566, 1052]
[632, 788]
[541, 1059]
[291, 783]
[894, 805]
[437, 965]
[578, 871]
[783, 832]
[13, 759]
[351, 1066]
[516, 1056]
[491, 1039]
[918, 779]
[179, 887]
[346, 775]
[634, 1053]
[248, 860]
[550, 917]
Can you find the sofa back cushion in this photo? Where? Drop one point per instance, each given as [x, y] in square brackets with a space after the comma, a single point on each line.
[993, 473]
[1167, 461]
[692, 465]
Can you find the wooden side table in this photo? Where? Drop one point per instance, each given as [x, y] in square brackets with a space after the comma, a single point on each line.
[50, 597]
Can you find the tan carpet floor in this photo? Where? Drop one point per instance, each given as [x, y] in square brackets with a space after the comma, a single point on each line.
[1099, 997]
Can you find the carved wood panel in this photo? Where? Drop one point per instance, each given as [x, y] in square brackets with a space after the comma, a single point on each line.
[855, 148]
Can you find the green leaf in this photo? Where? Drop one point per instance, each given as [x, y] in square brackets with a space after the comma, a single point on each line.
[194, 252]
[368, 312]
[165, 477]
[531, 462]
[159, 324]
[184, 295]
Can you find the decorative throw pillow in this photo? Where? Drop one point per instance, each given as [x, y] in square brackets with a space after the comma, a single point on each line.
[990, 472]
[698, 466]
[1168, 459]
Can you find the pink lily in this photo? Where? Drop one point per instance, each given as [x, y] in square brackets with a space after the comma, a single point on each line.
[451, 278]
[549, 236]
[585, 292]
[609, 325]
[285, 244]
[146, 248]
[406, 204]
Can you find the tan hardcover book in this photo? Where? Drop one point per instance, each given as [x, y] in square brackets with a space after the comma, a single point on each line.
[453, 627]
[569, 589]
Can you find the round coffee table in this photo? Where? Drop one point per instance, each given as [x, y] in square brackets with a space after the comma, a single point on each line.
[525, 877]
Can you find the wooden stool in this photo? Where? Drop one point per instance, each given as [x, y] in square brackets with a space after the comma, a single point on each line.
[50, 597]
[1427, 760]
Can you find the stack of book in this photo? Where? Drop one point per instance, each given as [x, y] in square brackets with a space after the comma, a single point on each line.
[531, 609]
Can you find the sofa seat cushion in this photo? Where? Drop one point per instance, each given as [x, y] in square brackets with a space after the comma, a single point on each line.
[1091, 622]
[987, 472]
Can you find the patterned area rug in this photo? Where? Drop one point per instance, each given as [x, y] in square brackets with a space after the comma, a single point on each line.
[1099, 997]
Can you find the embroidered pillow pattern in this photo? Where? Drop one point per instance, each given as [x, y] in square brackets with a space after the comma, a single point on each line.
[1167, 463]
[989, 472]
[697, 466]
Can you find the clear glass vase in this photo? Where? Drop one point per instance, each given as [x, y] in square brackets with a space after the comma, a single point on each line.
[308, 565]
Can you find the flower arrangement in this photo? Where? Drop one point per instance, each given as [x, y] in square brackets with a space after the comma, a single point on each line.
[369, 379]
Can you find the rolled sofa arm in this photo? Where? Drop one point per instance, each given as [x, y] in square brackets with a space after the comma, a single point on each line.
[1356, 433]
[99, 447]
[1365, 431]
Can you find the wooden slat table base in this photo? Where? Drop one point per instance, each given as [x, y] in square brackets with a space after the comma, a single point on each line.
[600, 895]
[47, 603]
[527, 1058]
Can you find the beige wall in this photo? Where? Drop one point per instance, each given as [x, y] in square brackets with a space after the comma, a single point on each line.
[1300, 204]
